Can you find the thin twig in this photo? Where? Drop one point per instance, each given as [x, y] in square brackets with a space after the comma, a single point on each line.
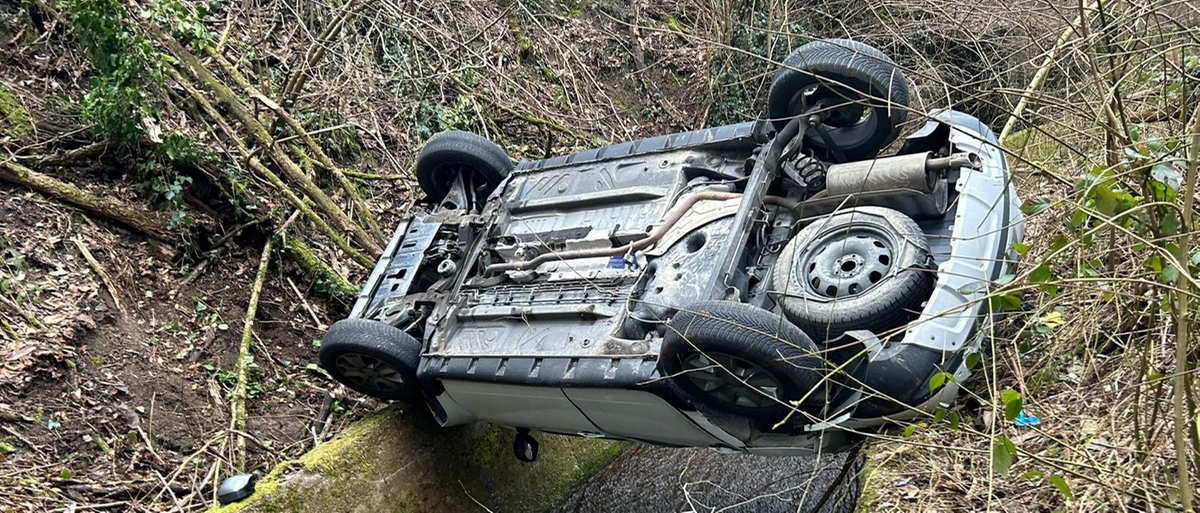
[1044, 71]
[320, 325]
[112, 289]
[31, 320]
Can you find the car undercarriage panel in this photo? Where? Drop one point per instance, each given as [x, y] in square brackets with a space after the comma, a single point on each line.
[571, 345]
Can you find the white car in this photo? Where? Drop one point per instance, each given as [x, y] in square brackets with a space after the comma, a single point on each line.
[770, 287]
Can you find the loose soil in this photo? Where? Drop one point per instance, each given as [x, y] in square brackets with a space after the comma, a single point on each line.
[102, 407]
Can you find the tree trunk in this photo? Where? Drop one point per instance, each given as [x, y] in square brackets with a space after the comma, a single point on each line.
[103, 206]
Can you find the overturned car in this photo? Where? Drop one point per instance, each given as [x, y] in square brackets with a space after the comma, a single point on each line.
[771, 287]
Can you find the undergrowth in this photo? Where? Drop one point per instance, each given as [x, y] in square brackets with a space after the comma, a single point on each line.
[125, 102]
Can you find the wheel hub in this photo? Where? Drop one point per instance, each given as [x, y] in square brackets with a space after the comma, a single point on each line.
[732, 380]
[369, 372]
[846, 263]
[845, 114]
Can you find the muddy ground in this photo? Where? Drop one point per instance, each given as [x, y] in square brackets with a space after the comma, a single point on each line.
[121, 387]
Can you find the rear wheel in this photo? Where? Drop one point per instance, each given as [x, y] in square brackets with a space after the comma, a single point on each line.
[741, 359]
[859, 93]
[372, 358]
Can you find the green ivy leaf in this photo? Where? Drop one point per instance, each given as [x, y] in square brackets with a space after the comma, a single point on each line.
[1021, 248]
[1062, 485]
[1058, 242]
[1035, 205]
[1170, 224]
[1169, 274]
[1106, 200]
[1002, 458]
[1040, 274]
[972, 361]
[1155, 263]
[939, 380]
[1004, 303]
[1012, 403]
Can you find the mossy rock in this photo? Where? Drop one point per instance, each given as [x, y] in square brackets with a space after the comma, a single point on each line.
[399, 460]
[14, 118]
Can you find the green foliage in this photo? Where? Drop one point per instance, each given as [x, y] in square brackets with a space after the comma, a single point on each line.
[12, 279]
[1004, 454]
[123, 104]
[1012, 404]
[127, 67]
[431, 119]
[737, 72]
[186, 24]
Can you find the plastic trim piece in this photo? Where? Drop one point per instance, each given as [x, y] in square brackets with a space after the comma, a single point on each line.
[897, 379]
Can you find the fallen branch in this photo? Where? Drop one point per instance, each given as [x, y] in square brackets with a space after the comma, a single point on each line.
[103, 206]
[303, 301]
[261, 169]
[290, 169]
[238, 397]
[112, 289]
[363, 211]
[69, 156]
[1044, 70]
[31, 320]
[370, 176]
[322, 273]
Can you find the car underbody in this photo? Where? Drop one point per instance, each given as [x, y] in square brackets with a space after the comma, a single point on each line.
[554, 299]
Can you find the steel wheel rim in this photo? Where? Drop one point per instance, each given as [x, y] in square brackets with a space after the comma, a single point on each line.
[847, 262]
[732, 380]
[369, 372]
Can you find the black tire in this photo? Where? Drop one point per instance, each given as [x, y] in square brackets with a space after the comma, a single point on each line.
[366, 346]
[449, 154]
[743, 336]
[840, 71]
[866, 268]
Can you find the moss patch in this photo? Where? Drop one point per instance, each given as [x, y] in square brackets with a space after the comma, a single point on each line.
[14, 118]
[398, 459]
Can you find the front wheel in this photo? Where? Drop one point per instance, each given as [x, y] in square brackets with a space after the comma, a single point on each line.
[372, 358]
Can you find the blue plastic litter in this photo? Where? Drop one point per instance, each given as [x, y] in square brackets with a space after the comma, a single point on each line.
[1026, 420]
[616, 262]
